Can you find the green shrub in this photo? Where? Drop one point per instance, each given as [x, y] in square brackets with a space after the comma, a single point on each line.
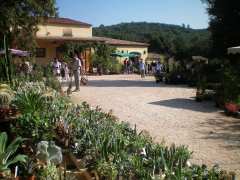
[103, 144]
[8, 152]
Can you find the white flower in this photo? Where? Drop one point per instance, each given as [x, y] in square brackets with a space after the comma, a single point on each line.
[188, 164]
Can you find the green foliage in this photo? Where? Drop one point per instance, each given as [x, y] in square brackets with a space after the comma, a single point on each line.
[116, 149]
[53, 83]
[29, 98]
[70, 48]
[167, 39]
[19, 19]
[224, 24]
[48, 152]
[7, 152]
[103, 61]
[231, 84]
[112, 148]
[48, 172]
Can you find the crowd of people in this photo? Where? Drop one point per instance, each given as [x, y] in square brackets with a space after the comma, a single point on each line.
[153, 68]
[65, 71]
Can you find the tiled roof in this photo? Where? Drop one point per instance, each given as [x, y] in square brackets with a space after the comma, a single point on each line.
[119, 42]
[63, 38]
[67, 21]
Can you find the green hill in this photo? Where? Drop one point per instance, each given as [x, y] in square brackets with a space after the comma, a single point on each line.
[179, 41]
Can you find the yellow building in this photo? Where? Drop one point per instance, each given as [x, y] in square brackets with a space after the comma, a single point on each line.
[56, 31]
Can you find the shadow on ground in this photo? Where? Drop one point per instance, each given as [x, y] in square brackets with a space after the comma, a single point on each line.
[225, 129]
[188, 104]
[130, 83]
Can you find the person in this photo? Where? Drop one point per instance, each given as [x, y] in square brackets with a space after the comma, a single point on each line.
[158, 68]
[76, 67]
[142, 68]
[129, 66]
[65, 71]
[153, 67]
[56, 67]
[125, 65]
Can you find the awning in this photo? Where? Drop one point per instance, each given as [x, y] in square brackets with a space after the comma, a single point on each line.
[234, 50]
[119, 54]
[16, 52]
[200, 59]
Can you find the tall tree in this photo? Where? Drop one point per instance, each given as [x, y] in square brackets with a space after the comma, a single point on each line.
[19, 18]
[224, 24]
[18, 25]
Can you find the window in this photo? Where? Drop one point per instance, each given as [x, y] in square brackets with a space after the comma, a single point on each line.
[122, 51]
[67, 32]
[144, 52]
[41, 52]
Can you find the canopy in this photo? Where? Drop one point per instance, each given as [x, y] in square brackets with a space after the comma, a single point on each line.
[200, 59]
[120, 54]
[16, 52]
[234, 50]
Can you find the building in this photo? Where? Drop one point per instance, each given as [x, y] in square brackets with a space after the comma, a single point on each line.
[154, 57]
[56, 31]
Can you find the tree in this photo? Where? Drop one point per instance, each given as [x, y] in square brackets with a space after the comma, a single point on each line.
[18, 25]
[102, 57]
[224, 24]
[171, 40]
[19, 18]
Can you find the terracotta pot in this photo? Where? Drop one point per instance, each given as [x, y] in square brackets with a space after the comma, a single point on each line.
[26, 178]
[31, 177]
[232, 107]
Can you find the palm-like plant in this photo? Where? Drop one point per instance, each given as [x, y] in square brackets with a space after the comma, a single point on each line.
[7, 157]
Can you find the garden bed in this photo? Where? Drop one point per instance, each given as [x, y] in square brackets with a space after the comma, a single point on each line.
[104, 147]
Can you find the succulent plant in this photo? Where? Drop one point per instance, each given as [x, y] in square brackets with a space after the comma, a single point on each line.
[5, 99]
[48, 152]
[4, 86]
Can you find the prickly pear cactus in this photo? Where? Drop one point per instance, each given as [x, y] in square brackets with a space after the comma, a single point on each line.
[49, 152]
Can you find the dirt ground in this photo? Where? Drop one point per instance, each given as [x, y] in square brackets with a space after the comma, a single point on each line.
[168, 113]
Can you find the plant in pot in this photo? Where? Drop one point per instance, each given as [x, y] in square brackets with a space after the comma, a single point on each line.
[8, 154]
[27, 170]
[233, 107]
[49, 156]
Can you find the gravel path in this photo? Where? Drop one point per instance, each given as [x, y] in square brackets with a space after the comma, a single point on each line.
[168, 113]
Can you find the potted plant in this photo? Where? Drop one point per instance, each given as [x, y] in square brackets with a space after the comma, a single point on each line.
[28, 170]
[49, 155]
[7, 154]
[48, 172]
[232, 107]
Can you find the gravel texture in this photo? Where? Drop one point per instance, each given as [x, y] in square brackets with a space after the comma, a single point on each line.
[169, 113]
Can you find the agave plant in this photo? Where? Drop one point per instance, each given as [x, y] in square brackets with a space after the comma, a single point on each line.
[7, 153]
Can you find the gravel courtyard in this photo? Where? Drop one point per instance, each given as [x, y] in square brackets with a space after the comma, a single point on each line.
[169, 113]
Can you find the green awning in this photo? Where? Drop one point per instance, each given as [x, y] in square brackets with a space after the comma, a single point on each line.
[120, 54]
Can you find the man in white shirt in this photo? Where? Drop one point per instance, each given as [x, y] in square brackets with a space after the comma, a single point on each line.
[142, 68]
[76, 71]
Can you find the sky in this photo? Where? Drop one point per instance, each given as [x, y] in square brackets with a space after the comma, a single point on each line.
[109, 12]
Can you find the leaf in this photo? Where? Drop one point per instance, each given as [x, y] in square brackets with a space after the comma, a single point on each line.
[19, 158]
[3, 142]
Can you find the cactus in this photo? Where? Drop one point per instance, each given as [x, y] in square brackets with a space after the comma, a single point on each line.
[4, 86]
[5, 99]
[48, 152]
